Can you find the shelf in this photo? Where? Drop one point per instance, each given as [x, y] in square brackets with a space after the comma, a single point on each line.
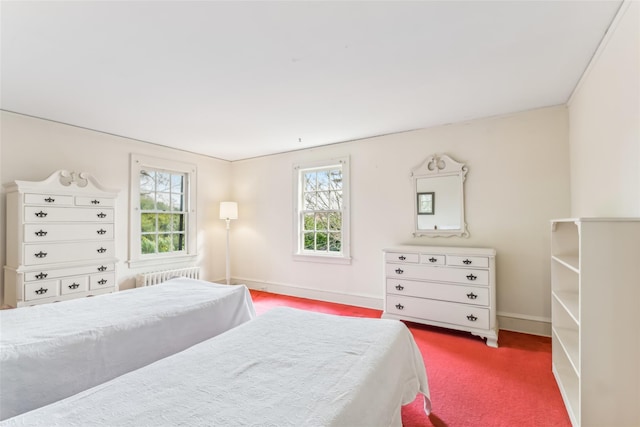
[570, 342]
[572, 262]
[570, 301]
[567, 378]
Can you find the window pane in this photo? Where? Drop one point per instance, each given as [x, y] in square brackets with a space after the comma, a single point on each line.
[147, 202]
[178, 242]
[335, 200]
[162, 202]
[177, 222]
[323, 200]
[323, 180]
[321, 241]
[309, 241]
[336, 179]
[164, 243]
[309, 201]
[148, 243]
[310, 181]
[163, 181]
[335, 242]
[147, 181]
[335, 221]
[164, 222]
[177, 183]
[321, 222]
[147, 222]
[176, 202]
[309, 221]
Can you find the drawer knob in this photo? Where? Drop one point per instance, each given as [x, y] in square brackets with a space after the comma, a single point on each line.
[41, 276]
[41, 291]
[399, 271]
[74, 286]
[432, 259]
[101, 250]
[471, 277]
[102, 268]
[49, 200]
[101, 231]
[95, 202]
[102, 215]
[467, 261]
[399, 287]
[399, 306]
[472, 318]
[41, 214]
[472, 295]
[402, 257]
[40, 254]
[102, 281]
[41, 233]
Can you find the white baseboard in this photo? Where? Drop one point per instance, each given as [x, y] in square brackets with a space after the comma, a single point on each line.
[316, 294]
[533, 325]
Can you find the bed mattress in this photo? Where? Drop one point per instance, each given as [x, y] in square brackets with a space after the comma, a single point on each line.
[52, 351]
[285, 368]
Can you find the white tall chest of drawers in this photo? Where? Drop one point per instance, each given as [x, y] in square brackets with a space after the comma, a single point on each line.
[60, 239]
[450, 287]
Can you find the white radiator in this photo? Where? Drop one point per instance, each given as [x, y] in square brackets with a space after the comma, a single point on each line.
[155, 277]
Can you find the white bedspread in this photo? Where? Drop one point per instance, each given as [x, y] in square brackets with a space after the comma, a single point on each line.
[285, 368]
[52, 351]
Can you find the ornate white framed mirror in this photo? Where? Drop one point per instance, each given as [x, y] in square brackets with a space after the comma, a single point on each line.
[438, 187]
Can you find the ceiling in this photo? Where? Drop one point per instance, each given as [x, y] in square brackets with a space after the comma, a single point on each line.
[235, 80]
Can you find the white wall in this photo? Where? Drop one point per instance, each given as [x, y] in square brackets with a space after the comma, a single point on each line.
[518, 180]
[32, 149]
[604, 115]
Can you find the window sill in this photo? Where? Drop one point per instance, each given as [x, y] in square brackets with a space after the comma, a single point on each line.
[326, 259]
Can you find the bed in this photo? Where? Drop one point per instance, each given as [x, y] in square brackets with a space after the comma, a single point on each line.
[287, 367]
[52, 351]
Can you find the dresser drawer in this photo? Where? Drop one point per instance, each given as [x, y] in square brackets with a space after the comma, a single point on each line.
[58, 232]
[48, 199]
[49, 253]
[402, 257]
[94, 201]
[70, 285]
[102, 281]
[433, 259]
[439, 311]
[59, 214]
[456, 293]
[39, 290]
[438, 274]
[468, 261]
[46, 274]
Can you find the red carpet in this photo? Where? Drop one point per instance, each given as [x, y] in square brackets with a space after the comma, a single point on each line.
[471, 385]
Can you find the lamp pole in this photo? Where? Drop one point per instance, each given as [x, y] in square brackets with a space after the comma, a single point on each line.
[228, 220]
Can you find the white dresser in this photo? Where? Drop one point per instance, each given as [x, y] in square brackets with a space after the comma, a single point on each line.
[450, 287]
[60, 239]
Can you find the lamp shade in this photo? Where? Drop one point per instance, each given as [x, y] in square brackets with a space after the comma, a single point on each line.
[228, 210]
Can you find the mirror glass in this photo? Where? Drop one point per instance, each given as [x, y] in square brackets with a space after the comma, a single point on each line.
[438, 185]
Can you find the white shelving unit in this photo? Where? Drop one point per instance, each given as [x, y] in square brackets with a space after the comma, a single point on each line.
[595, 296]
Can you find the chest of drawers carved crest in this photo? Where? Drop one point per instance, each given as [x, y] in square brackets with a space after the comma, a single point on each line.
[60, 239]
[450, 287]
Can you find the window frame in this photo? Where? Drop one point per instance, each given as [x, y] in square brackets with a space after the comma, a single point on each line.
[138, 163]
[299, 254]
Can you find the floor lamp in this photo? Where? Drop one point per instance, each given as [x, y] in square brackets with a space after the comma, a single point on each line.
[228, 211]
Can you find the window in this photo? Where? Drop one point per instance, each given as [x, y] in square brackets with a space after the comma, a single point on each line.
[321, 215]
[162, 210]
